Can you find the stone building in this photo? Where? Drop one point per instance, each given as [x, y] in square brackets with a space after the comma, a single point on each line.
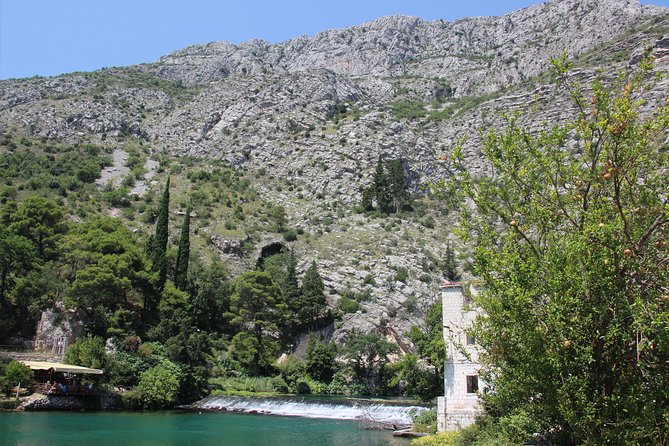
[460, 404]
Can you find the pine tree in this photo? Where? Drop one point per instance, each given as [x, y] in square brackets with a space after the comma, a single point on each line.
[183, 255]
[367, 202]
[291, 289]
[450, 265]
[397, 185]
[312, 301]
[381, 187]
[159, 254]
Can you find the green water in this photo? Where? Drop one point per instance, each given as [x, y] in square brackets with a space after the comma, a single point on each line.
[177, 428]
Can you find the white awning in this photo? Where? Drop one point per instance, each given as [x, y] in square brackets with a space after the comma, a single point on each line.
[58, 367]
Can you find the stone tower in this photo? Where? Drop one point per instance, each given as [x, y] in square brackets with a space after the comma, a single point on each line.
[459, 406]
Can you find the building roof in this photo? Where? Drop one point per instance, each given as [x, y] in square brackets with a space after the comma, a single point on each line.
[63, 368]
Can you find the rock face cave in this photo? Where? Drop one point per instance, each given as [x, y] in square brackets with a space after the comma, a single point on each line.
[273, 248]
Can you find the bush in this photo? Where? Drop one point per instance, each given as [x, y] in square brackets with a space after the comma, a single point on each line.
[9, 404]
[17, 373]
[302, 387]
[290, 235]
[347, 305]
[441, 439]
[159, 386]
[401, 274]
[425, 421]
[87, 352]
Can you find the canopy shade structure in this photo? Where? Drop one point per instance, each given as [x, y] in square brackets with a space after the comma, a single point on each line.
[63, 368]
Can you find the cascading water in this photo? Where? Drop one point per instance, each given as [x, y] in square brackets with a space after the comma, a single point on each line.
[384, 413]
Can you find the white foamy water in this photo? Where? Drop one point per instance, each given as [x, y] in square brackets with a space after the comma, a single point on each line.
[368, 411]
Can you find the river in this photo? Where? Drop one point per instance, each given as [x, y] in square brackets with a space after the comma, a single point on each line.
[182, 428]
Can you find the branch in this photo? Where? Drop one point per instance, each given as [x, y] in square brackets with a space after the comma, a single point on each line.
[659, 221]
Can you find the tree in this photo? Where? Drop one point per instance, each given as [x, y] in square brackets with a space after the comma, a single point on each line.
[291, 295]
[367, 200]
[159, 248]
[367, 355]
[570, 235]
[210, 297]
[423, 382]
[183, 255]
[159, 386]
[17, 255]
[312, 299]
[18, 374]
[449, 265]
[380, 185]
[41, 221]
[397, 185]
[320, 358]
[253, 305]
[429, 341]
[105, 264]
[86, 352]
[419, 381]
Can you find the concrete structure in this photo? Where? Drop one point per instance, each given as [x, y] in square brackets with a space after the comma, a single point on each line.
[460, 404]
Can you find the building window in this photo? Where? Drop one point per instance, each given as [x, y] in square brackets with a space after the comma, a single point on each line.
[472, 383]
[471, 339]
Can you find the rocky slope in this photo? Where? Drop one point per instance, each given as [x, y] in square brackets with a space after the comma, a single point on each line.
[310, 117]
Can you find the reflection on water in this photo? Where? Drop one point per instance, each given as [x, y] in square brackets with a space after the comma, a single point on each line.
[176, 428]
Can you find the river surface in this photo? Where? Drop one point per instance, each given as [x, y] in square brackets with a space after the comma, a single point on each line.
[182, 428]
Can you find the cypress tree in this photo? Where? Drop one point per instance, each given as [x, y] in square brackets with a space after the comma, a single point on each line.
[183, 255]
[397, 185]
[159, 256]
[381, 187]
[368, 199]
[313, 297]
[450, 265]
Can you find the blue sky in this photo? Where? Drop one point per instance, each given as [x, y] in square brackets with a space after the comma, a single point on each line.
[49, 37]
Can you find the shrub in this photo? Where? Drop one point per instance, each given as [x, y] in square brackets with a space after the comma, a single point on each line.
[290, 235]
[159, 386]
[425, 421]
[16, 373]
[401, 274]
[347, 305]
[441, 439]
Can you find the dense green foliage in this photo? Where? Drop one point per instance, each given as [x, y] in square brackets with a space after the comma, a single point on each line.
[159, 242]
[86, 352]
[183, 255]
[13, 374]
[389, 191]
[570, 233]
[167, 313]
[312, 298]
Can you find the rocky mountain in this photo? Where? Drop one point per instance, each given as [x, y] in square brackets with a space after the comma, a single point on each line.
[309, 117]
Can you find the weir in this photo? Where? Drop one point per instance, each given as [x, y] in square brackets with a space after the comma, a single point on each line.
[367, 411]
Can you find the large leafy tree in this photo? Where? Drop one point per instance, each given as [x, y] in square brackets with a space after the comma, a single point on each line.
[40, 220]
[87, 352]
[17, 255]
[253, 305]
[570, 234]
[367, 355]
[105, 264]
